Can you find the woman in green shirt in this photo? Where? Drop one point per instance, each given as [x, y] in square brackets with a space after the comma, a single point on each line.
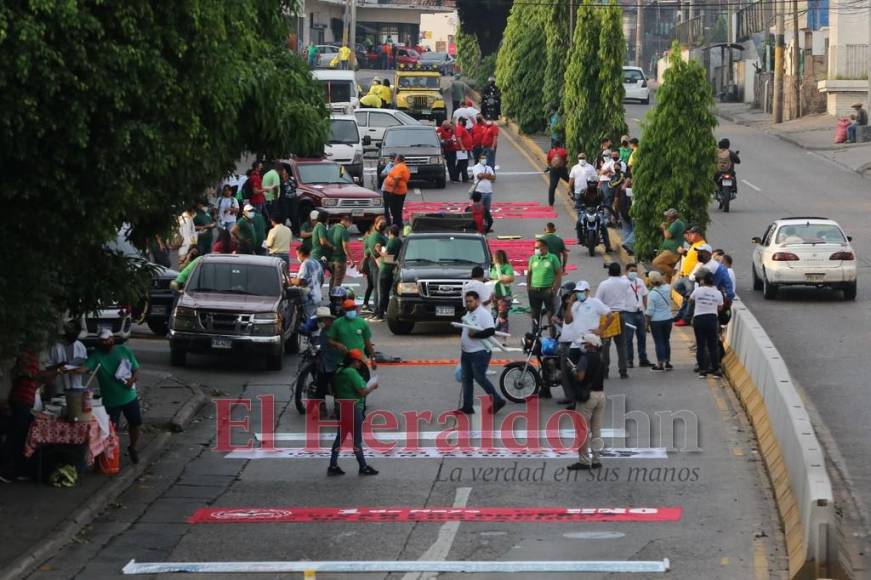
[373, 241]
[503, 273]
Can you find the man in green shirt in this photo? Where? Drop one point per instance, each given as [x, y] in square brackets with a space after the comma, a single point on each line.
[320, 242]
[350, 332]
[183, 276]
[672, 238]
[244, 233]
[340, 240]
[545, 276]
[555, 244]
[118, 394]
[204, 225]
[350, 394]
[259, 223]
[271, 183]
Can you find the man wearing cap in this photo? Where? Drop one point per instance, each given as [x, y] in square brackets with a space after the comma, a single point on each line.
[351, 387]
[118, 396]
[581, 174]
[860, 119]
[684, 286]
[305, 230]
[672, 237]
[243, 231]
[613, 293]
[350, 332]
[589, 374]
[584, 315]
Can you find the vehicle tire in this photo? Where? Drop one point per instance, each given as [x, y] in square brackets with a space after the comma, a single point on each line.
[159, 326]
[591, 243]
[850, 291]
[399, 327]
[305, 387]
[441, 183]
[725, 204]
[647, 100]
[293, 344]
[275, 362]
[757, 282]
[769, 290]
[519, 381]
[177, 355]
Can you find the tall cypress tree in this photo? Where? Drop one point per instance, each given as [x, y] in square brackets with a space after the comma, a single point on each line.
[519, 70]
[676, 158]
[581, 104]
[468, 54]
[556, 29]
[612, 53]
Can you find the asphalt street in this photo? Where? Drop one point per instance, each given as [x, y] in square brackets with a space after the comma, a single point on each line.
[728, 525]
[822, 338]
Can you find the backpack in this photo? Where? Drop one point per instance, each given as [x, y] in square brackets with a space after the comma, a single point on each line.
[247, 189]
[724, 160]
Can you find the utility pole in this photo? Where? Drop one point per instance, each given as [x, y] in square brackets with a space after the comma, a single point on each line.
[779, 18]
[346, 18]
[796, 67]
[868, 102]
[639, 35]
[572, 16]
[352, 31]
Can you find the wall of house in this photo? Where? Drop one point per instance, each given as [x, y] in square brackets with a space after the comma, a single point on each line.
[438, 31]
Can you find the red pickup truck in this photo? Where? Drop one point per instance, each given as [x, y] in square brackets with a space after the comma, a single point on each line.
[324, 185]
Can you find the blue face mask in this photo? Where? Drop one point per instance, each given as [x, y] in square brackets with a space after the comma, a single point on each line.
[581, 296]
[632, 276]
[351, 314]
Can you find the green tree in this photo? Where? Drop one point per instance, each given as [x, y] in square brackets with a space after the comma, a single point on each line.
[676, 158]
[580, 103]
[612, 54]
[468, 55]
[519, 70]
[556, 29]
[123, 113]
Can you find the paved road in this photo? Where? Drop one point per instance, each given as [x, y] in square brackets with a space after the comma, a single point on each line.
[822, 338]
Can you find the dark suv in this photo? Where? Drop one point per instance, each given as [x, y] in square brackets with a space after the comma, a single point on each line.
[432, 270]
[237, 303]
[422, 150]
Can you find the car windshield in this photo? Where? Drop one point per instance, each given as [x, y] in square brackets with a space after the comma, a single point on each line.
[229, 278]
[419, 82]
[338, 91]
[344, 131]
[809, 234]
[433, 57]
[445, 250]
[322, 173]
[406, 119]
[412, 138]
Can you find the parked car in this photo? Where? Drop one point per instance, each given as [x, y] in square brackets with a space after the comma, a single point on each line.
[804, 251]
[237, 303]
[422, 150]
[406, 56]
[442, 60]
[635, 85]
[324, 185]
[326, 53]
[417, 91]
[432, 268]
[346, 146]
[340, 90]
[374, 122]
[366, 57]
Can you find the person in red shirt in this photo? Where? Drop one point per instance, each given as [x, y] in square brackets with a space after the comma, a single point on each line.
[464, 138]
[478, 130]
[27, 378]
[449, 148]
[489, 142]
[556, 166]
[481, 218]
[255, 178]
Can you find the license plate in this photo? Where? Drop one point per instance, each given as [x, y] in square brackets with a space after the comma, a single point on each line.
[727, 183]
[158, 310]
[412, 169]
[444, 310]
[815, 277]
[425, 111]
[357, 213]
[222, 343]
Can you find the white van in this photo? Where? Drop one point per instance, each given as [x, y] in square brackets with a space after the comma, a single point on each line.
[345, 145]
[340, 89]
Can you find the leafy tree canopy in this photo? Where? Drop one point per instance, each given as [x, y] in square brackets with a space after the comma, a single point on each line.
[519, 67]
[580, 104]
[124, 112]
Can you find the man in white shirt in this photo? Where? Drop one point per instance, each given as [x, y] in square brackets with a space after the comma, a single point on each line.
[614, 292]
[584, 316]
[581, 174]
[479, 286]
[484, 176]
[468, 112]
[636, 306]
[188, 232]
[475, 355]
[68, 350]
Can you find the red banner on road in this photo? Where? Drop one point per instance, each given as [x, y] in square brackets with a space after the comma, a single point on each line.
[294, 515]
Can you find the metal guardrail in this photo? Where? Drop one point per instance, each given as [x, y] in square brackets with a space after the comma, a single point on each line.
[857, 60]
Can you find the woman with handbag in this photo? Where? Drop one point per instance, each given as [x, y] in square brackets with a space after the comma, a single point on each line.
[660, 316]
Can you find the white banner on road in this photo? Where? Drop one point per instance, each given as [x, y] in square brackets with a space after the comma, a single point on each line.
[402, 436]
[436, 453]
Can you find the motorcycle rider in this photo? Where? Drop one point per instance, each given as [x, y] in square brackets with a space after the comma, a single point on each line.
[491, 100]
[592, 200]
[726, 161]
[581, 175]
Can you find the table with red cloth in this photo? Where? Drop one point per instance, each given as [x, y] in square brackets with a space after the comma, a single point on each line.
[48, 430]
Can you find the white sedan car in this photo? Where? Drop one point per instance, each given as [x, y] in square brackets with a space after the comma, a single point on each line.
[373, 123]
[635, 85]
[804, 251]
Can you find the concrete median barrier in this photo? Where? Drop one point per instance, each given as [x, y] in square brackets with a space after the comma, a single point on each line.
[787, 442]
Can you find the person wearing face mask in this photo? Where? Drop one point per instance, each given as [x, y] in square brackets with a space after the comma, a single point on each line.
[544, 279]
[244, 233]
[613, 292]
[484, 176]
[583, 315]
[351, 332]
[581, 174]
[660, 316]
[636, 305]
[119, 396]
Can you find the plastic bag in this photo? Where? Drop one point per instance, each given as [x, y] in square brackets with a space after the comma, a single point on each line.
[841, 130]
[109, 461]
[458, 373]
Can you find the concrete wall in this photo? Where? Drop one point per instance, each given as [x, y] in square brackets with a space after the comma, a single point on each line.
[442, 28]
[845, 27]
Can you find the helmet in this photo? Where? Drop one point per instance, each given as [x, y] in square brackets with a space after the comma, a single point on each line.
[549, 346]
[339, 292]
[491, 79]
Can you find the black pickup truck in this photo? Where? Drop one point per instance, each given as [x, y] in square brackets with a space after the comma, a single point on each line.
[432, 268]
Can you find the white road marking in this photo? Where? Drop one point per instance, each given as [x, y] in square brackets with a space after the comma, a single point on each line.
[401, 436]
[390, 566]
[442, 546]
[751, 185]
[495, 453]
[593, 535]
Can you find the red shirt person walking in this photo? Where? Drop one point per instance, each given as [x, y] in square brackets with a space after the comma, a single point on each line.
[448, 139]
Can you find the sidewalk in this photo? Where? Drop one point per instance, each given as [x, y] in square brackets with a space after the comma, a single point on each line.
[48, 518]
[813, 132]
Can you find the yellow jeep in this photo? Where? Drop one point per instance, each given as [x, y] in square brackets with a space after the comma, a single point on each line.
[417, 90]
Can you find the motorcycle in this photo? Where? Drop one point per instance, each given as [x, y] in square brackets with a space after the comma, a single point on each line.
[491, 107]
[521, 380]
[308, 375]
[727, 190]
[591, 229]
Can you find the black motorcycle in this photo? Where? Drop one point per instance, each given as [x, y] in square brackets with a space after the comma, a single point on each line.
[491, 106]
[521, 380]
[727, 190]
[591, 227]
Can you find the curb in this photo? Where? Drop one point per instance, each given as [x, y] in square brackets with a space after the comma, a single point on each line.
[62, 535]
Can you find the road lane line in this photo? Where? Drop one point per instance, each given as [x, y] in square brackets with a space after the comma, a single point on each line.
[447, 533]
[744, 181]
